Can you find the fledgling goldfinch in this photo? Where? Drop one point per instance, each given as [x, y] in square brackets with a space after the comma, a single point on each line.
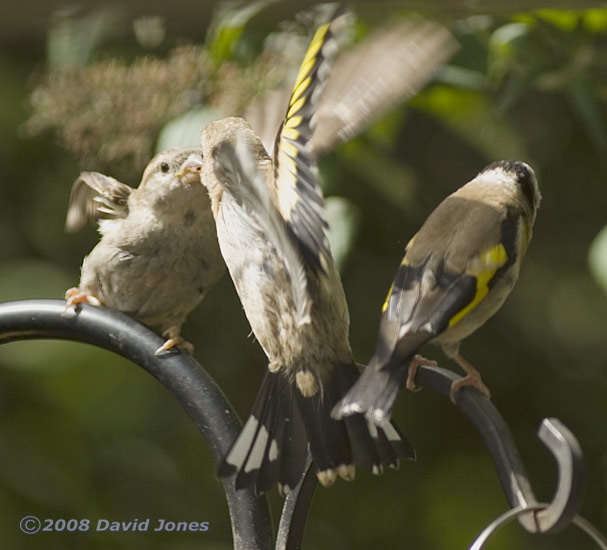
[270, 227]
[457, 272]
[158, 252]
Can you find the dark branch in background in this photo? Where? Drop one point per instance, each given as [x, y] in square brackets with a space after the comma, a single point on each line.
[205, 403]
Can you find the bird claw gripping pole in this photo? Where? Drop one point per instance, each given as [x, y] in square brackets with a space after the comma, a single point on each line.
[214, 416]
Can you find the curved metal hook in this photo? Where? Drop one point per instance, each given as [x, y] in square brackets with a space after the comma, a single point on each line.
[513, 513]
[251, 524]
[197, 392]
[508, 463]
[571, 485]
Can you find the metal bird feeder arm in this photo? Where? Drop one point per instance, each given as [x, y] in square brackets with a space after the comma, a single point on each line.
[210, 410]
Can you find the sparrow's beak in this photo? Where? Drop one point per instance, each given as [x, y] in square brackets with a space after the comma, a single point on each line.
[190, 169]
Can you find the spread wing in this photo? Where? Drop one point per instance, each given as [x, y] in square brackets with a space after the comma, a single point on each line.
[238, 171]
[387, 68]
[95, 196]
[297, 194]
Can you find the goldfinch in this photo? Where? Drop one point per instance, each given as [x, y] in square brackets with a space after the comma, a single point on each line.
[270, 227]
[158, 252]
[457, 272]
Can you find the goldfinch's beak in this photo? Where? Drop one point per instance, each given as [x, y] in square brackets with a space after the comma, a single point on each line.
[190, 169]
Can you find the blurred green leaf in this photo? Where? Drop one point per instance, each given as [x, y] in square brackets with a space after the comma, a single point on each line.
[461, 77]
[470, 113]
[227, 26]
[344, 218]
[384, 131]
[566, 20]
[391, 179]
[72, 41]
[184, 131]
[595, 20]
[502, 57]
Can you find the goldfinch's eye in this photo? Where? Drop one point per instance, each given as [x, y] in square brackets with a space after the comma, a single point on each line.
[164, 167]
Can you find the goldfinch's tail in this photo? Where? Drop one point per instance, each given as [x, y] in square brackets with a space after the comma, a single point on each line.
[271, 448]
[338, 445]
[373, 394]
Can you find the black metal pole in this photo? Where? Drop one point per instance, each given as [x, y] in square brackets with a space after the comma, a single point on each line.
[210, 410]
[197, 392]
[295, 511]
[507, 459]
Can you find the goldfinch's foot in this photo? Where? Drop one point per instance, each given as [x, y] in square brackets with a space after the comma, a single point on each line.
[173, 340]
[416, 362]
[472, 379]
[74, 296]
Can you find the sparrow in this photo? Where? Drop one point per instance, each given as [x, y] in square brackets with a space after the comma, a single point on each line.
[270, 227]
[158, 252]
[457, 271]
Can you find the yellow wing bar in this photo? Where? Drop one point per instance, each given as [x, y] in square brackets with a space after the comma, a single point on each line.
[483, 270]
[298, 194]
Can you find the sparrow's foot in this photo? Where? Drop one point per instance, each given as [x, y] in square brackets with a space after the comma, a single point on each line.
[173, 340]
[416, 362]
[74, 296]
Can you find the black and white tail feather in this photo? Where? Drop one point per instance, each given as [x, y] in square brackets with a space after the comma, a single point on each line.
[273, 444]
[285, 423]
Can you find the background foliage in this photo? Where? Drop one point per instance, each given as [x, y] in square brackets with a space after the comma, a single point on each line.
[85, 434]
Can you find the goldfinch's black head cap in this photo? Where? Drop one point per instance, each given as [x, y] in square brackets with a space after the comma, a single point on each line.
[524, 176]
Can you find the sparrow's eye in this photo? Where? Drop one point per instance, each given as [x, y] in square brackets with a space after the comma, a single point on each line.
[164, 167]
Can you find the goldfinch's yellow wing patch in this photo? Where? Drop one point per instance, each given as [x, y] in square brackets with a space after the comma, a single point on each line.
[430, 300]
[298, 193]
[483, 268]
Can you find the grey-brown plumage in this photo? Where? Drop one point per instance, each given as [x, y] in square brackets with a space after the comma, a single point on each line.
[457, 272]
[158, 252]
[270, 226]
[310, 360]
